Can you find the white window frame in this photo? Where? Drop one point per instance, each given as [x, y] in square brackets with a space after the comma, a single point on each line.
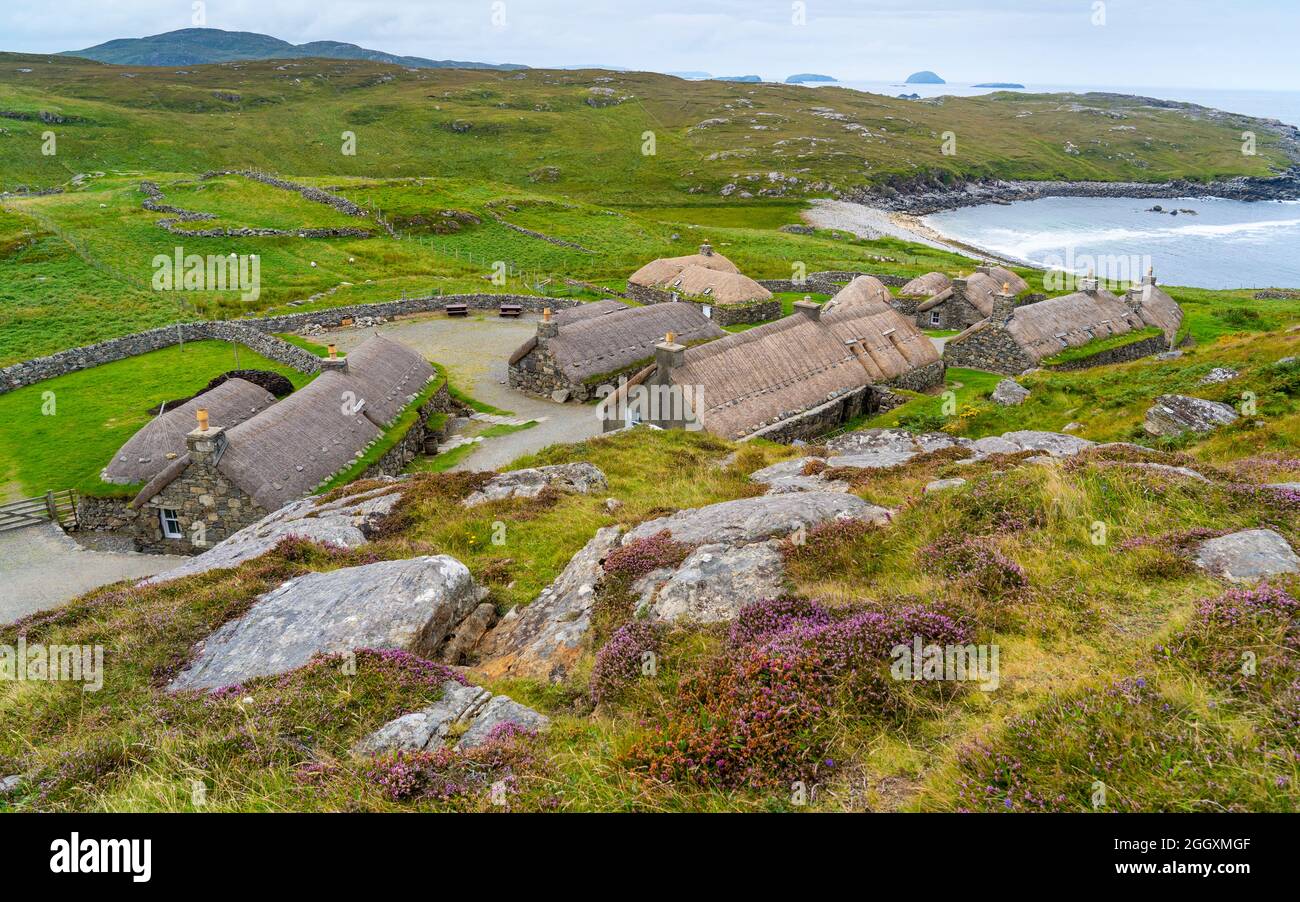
[168, 530]
[707, 310]
[936, 318]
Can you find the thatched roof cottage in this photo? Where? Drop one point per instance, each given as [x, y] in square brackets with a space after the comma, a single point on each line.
[1013, 339]
[961, 302]
[230, 456]
[576, 350]
[706, 279]
[793, 378]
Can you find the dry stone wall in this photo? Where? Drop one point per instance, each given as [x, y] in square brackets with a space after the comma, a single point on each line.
[255, 333]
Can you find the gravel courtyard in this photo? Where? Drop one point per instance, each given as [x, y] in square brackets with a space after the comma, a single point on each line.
[475, 350]
[41, 568]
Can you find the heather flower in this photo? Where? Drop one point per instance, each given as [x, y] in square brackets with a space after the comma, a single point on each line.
[639, 557]
[761, 619]
[619, 661]
[976, 562]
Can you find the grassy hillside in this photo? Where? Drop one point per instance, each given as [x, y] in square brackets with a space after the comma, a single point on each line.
[195, 46]
[582, 133]
[1111, 658]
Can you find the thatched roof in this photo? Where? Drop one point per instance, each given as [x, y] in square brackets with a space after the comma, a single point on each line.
[584, 311]
[863, 288]
[1003, 276]
[1049, 327]
[144, 455]
[980, 290]
[716, 286]
[605, 344]
[750, 379]
[569, 315]
[925, 286]
[286, 451]
[655, 273]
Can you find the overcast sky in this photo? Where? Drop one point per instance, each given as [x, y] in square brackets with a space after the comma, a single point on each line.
[1186, 43]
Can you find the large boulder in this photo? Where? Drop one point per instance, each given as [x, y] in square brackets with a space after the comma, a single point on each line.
[1057, 444]
[1009, 393]
[472, 707]
[1176, 414]
[417, 731]
[544, 639]
[750, 520]
[713, 583]
[1249, 555]
[407, 604]
[529, 483]
[345, 522]
[501, 709]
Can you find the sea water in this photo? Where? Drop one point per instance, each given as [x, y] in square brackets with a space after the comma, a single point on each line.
[1222, 244]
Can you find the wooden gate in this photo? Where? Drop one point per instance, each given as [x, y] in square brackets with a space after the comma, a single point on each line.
[52, 507]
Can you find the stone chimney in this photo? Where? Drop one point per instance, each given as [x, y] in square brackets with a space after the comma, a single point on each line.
[334, 363]
[706, 249]
[807, 307]
[1088, 284]
[1150, 277]
[669, 354]
[959, 288]
[206, 442]
[547, 327]
[1133, 298]
[1004, 304]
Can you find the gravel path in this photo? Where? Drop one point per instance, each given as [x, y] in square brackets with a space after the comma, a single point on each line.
[41, 568]
[475, 350]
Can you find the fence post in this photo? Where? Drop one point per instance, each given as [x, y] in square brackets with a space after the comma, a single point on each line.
[51, 507]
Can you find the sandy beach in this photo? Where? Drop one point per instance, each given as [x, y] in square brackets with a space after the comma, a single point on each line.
[872, 222]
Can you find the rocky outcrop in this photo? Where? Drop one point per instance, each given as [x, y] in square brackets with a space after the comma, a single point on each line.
[410, 605]
[877, 449]
[749, 520]
[544, 639]
[583, 478]
[738, 557]
[467, 634]
[1009, 393]
[498, 710]
[788, 476]
[1249, 555]
[1176, 414]
[345, 522]
[1219, 374]
[943, 485]
[713, 583]
[469, 707]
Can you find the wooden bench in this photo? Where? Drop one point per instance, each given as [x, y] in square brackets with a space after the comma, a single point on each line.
[511, 309]
[457, 309]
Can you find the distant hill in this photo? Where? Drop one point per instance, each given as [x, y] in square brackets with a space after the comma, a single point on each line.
[806, 77]
[751, 79]
[689, 74]
[925, 77]
[196, 46]
[998, 84]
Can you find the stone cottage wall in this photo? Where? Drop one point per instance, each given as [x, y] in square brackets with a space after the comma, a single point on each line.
[991, 348]
[417, 439]
[199, 494]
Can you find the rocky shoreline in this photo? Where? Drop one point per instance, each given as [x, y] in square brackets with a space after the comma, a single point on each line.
[920, 199]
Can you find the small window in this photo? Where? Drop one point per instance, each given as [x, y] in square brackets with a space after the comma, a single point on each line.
[171, 524]
[707, 311]
[936, 318]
